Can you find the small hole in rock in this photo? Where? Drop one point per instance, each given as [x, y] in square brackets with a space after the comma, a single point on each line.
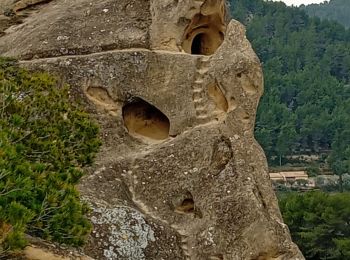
[233, 104]
[184, 204]
[144, 119]
[217, 257]
[239, 75]
[187, 206]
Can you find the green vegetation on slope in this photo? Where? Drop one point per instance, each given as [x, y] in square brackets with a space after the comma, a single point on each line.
[337, 10]
[306, 65]
[319, 223]
[45, 140]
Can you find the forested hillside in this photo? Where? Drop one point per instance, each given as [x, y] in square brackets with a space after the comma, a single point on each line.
[337, 10]
[306, 105]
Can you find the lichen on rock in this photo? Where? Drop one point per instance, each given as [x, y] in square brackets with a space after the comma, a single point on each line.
[128, 233]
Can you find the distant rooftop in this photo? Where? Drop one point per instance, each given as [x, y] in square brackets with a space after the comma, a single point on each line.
[297, 175]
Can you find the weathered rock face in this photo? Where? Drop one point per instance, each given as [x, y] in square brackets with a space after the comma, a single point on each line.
[175, 86]
[76, 27]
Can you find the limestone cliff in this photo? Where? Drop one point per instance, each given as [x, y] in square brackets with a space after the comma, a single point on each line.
[175, 85]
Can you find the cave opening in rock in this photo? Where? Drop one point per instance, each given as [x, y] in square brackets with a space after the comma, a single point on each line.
[206, 43]
[145, 120]
[199, 45]
[203, 42]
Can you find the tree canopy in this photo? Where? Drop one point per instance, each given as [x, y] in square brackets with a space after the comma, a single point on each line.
[337, 10]
[319, 223]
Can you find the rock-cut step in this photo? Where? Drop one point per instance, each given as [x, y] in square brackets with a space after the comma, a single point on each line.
[202, 71]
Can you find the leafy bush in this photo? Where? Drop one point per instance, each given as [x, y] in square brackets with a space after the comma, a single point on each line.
[313, 171]
[319, 223]
[45, 140]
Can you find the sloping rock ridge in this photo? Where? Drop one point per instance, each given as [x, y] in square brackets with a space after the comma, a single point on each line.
[175, 86]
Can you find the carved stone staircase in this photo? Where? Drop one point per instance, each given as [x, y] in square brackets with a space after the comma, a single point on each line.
[199, 96]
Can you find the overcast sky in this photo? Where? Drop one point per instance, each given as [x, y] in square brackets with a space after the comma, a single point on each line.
[299, 2]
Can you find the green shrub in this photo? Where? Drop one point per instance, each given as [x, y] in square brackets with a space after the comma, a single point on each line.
[45, 140]
[313, 171]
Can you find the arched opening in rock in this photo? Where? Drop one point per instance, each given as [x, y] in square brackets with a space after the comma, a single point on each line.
[203, 41]
[145, 120]
[216, 94]
[206, 31]
[204, 44]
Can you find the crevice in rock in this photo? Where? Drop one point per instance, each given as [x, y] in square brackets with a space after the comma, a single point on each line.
[18, 11]
[145, 120]
[24, 4]
[216, 94]
[78, 52]
[149, 212]
[222, 154]
[260, 197]
[217, 257]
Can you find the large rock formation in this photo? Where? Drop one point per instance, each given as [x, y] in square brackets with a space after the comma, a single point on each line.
[175, 86]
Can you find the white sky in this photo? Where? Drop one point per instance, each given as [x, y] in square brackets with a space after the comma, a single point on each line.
[299, 2]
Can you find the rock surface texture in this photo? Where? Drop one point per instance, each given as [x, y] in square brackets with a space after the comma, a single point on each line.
[175, 86]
